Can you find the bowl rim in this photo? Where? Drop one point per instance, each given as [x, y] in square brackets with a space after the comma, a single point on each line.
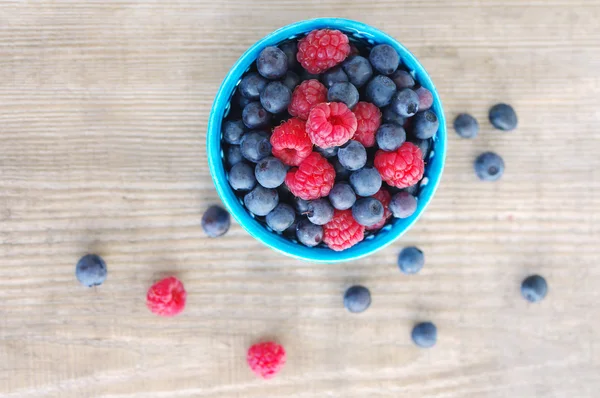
[233, 203]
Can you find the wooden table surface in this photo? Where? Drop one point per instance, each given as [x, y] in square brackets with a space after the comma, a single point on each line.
[103, 113]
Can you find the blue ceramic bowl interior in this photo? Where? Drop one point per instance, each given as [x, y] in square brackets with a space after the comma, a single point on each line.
[356, 31]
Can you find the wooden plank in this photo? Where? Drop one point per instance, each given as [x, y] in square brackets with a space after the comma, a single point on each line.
[103, 112]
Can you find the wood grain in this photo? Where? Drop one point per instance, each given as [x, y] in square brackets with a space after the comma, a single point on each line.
[103, 111]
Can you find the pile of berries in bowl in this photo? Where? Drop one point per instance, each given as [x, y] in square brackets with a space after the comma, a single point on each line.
[326, 140]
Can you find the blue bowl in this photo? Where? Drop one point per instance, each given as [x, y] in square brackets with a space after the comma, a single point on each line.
[388, 234]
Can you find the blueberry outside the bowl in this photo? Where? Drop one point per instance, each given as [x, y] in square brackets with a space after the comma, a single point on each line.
[357, 299]
[534, 288]
[411, 260]
[424, 334]
[215, 221]
[91, 270]
[489, 166]
[503, 117]
[466, 126]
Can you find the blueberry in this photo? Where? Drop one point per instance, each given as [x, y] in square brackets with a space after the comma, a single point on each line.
[327, 152]
[270, 172]
[425, 124]
[389, 116]
[233, 130]
[275, 97]
[403, 79]
[291, 80]
[334, 75]
[261, 201]
[300, 205]
[254, 115]
[503, 117]
[366, 181]
[425, 98]
[308, 233]
[384, 58]
[411, 260]
[405, 102]
[358, 69]
[255, 146]
[352, 155]
[234, 155]
[342, 196]
[390, 136]
[424, 146]
[215, 221]
[424, 334]
[534, 288]
[379, 90]
[281, 218]
[320, 211]
[290, 231]
[357, 299]
[403, 205]
[290, 49]
[252, 85]
[343, 92]
[367, 211]
[241, 177]
[489, 166]
[341, 173]
[466, 126]
[91, 270]
[272, 63]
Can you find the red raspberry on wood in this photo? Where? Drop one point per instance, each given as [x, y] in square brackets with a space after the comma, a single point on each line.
[166, 297]
[266, 359]
[322, 49]
[306, 95]
[342, 232]
[290, 142]
[313, 179]
[368, 119]
[401, 168]
[330, 124]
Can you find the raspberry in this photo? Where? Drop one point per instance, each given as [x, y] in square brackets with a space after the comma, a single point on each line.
[322, 49]
[313, 179]
[266, 359]
[166, 297]
[401, 168]
[385, 198]
[342, 232]
[368, 119]
[290, 142]
[308, 94]
[330, 124]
